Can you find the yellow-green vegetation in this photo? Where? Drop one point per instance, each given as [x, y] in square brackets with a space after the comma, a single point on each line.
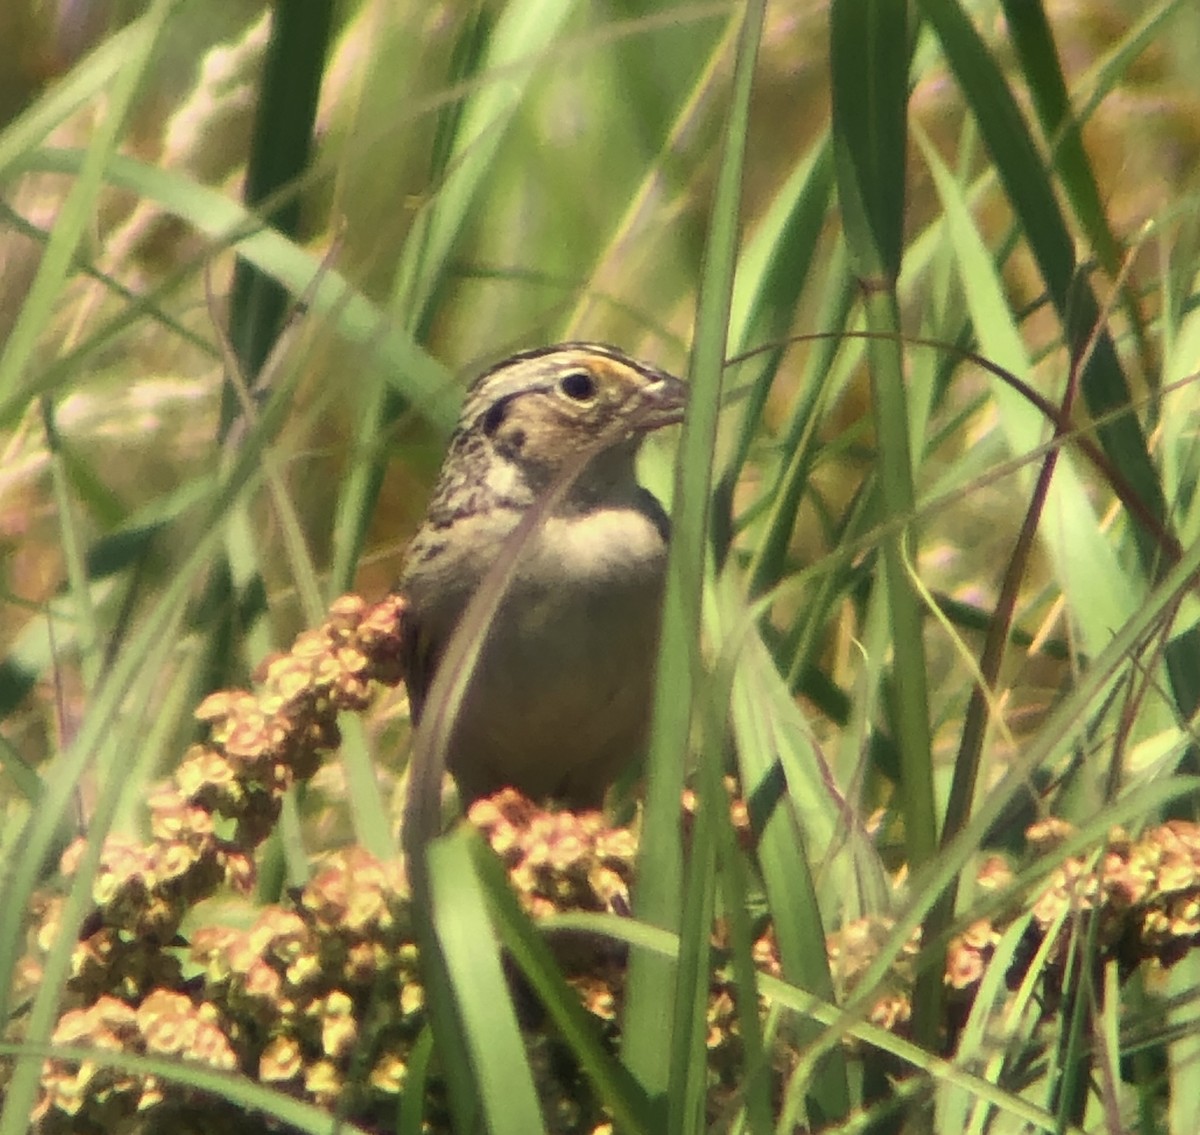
[929, 671]
[322, 997]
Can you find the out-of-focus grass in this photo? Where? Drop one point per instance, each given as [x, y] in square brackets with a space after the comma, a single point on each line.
[487, 177]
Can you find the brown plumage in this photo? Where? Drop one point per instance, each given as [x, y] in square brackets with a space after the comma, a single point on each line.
[560, 699]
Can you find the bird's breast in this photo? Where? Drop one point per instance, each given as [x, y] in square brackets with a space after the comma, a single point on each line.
[560, 698]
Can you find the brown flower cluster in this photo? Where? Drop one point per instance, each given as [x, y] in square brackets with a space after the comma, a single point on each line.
[561, 862]
[558, 861]
[222, 801]
[306, 992]
[1138, 899]
[93, 1096]
[322, 998]
[1142, 895]
[851, 952]
[294, 1001]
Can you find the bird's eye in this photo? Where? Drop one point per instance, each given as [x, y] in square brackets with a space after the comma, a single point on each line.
[579, 386]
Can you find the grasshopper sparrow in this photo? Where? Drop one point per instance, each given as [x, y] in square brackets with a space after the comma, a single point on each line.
[560, 698]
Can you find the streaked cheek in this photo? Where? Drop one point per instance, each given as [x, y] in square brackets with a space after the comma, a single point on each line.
[552, 443]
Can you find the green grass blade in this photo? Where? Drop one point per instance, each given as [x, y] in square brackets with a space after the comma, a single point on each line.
[524, 942]
[408, 367]
[471, 952]
[1099, 596]
[279, 156]
[652, 984]
[80, 204]
[78, 88]
[1031, 35]
[869, 121]
[768, 562]
[788, 820]
[523, 32]
[111, 762]
[688, 1078]
[837, 1023]
[73, 553]
[1031, 193]
[869, 61]
[772, 272]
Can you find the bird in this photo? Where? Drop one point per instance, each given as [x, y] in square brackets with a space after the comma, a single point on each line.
[559, 702]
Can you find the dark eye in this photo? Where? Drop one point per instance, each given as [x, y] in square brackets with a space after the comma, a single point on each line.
[578, 385]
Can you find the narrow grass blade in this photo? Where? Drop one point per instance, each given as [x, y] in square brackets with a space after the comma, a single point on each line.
[279, 155]
[869, 38]
[412, 371]
[648, 1046]
[471, 952]
[235, 1088]
[790, 814]
[80, 204]
[1031, 35]
[523, 32]
[111, 752]
[1093, 581]
[869, 121]
[1032, 195]
[837, 1022]
[79, 87]
[688, 1078]
[523, 940]
[772, 273]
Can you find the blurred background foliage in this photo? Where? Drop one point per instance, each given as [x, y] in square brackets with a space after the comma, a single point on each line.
[588, 223]
[489, 176]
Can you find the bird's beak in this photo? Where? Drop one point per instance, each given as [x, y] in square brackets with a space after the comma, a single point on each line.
[662, 403]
